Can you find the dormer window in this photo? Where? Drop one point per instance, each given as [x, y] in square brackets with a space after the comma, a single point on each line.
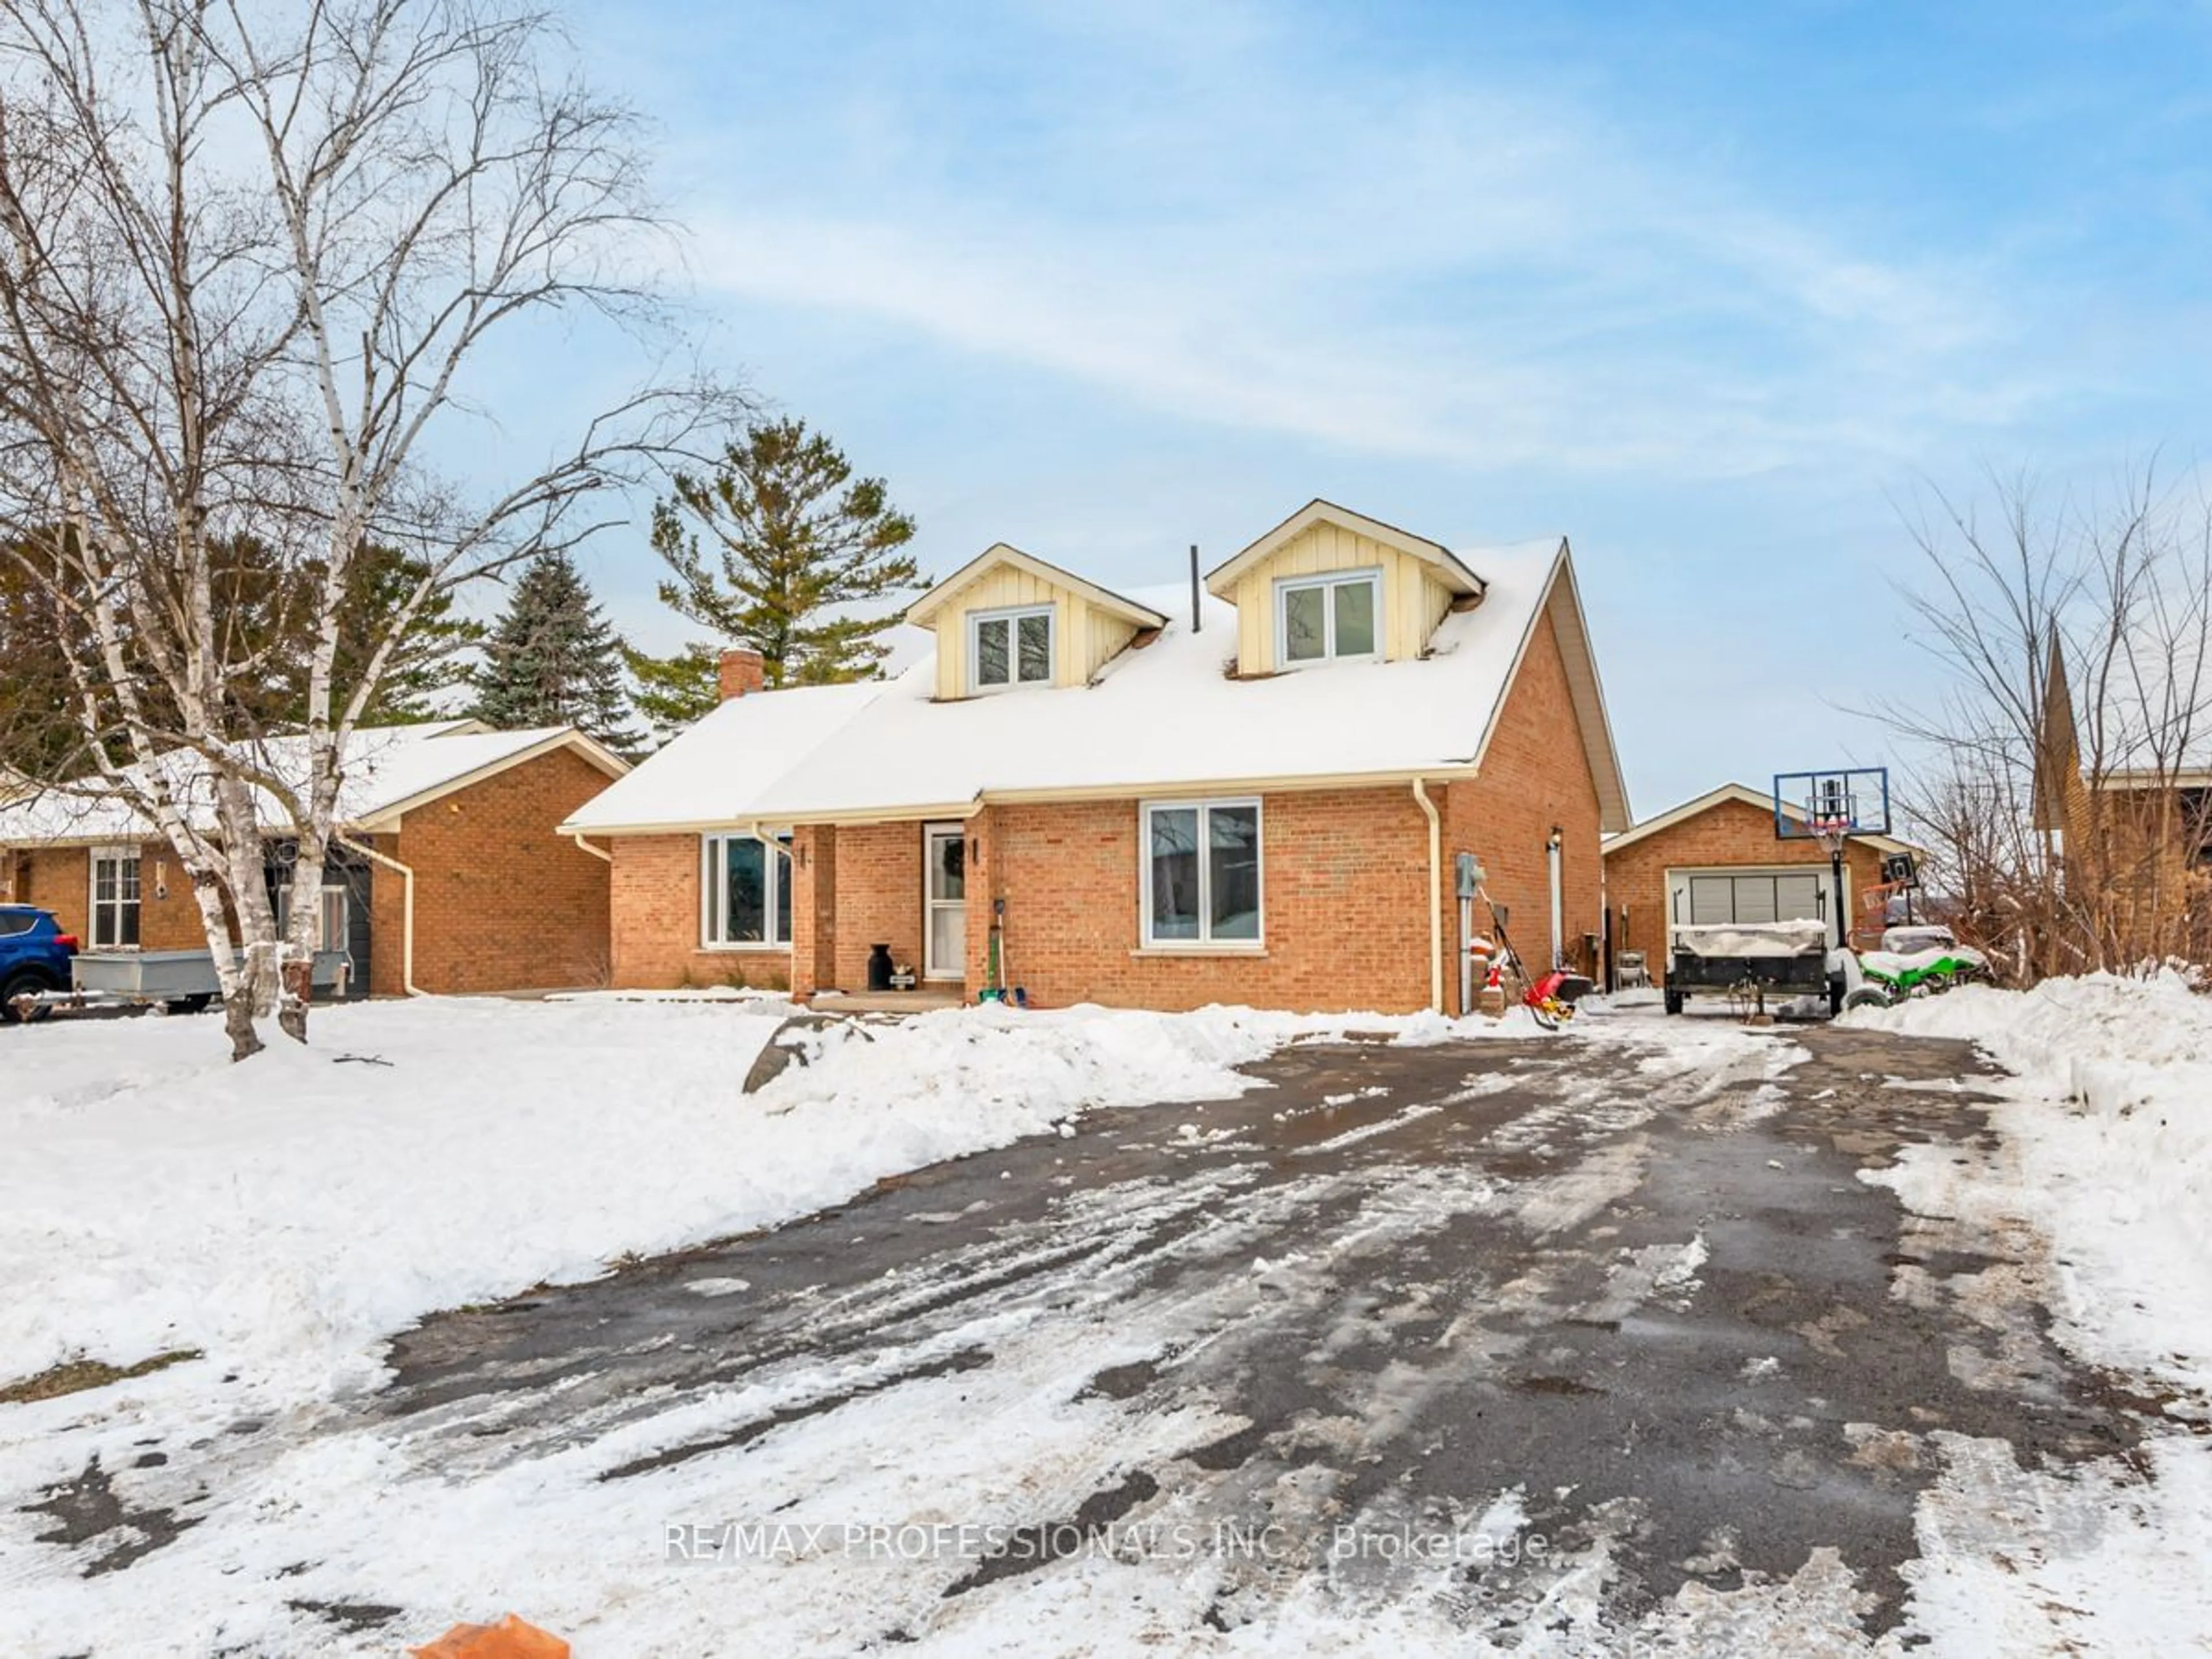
[1325, 618]
[1006, 648]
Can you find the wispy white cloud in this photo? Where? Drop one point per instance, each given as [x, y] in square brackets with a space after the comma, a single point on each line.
[1217, 216]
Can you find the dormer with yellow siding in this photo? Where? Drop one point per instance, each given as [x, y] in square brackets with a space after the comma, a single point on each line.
[1329, 585]
[1006, 623]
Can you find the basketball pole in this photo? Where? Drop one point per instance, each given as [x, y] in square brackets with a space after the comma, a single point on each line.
[1836, 875]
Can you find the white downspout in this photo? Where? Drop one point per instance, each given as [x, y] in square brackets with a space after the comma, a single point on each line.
[1436, 894]
[577, 835]
[406, 909]
[1558, 901]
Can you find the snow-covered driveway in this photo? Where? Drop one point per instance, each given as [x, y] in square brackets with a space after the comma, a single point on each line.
[1598, 1345]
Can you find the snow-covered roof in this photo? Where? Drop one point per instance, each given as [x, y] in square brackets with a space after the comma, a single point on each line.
[716, 772]
[389, 769]
[1167, 715]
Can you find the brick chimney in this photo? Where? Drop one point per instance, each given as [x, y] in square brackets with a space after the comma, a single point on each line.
[742, 671]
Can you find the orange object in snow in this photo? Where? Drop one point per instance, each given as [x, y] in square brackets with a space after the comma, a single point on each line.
[510, 1638]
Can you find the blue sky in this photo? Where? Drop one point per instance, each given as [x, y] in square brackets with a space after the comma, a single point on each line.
[1710, 289]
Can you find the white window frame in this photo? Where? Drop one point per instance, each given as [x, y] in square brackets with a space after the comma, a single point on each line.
[954, 829]
[1011, 615]
[132, 856]
[710, 845]
[330, 890]
[1205, 944]
[1328, 581]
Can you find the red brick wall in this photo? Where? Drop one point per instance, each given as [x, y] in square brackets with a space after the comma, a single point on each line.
[878, 898]
[388, 921]
[501, 902]
[1343, 875]
[59, 880]
[814, 908]
[1534, 776]
[654, 900]
[1729, 833]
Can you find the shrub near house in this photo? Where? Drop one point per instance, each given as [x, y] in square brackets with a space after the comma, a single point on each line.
[1108, 797]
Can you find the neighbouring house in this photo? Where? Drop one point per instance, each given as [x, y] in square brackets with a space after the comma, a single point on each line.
[448, 874]
[2126, 823]
[1716, 859]
[1250, 791]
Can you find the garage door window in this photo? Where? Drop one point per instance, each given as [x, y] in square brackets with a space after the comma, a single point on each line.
[1715, 901]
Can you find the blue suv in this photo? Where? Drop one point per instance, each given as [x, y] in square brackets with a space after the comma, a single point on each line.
[34, 956]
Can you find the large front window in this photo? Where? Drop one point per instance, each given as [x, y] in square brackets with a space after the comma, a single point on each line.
[1319, 619]
[746, 890]
[114, 897]
[1202, 872]
[1007, 648]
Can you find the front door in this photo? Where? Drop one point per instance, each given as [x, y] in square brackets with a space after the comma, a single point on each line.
[944, 902]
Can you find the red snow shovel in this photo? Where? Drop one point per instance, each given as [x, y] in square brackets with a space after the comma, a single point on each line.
[510, 1638]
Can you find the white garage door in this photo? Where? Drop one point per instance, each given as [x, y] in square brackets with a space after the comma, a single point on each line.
[1710, 898]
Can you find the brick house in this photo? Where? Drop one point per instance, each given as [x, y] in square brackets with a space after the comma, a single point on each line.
[1717, 859]
[1250, 791]
[448, 877]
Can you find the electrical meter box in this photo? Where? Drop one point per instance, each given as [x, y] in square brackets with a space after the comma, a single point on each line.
[1469, 875]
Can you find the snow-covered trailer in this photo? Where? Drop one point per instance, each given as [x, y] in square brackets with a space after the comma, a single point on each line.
[1788, 959]
[178, 979]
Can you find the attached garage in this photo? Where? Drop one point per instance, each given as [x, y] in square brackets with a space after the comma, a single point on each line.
[1716, 859]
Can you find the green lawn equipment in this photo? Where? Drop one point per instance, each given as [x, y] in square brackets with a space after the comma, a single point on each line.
[1893, 976]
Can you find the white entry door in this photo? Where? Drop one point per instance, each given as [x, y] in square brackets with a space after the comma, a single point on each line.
[944, 901]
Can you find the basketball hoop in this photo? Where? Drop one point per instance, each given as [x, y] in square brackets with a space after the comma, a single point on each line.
[1830, 807]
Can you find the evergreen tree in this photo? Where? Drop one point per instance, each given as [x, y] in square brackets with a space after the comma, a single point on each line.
[672, 692]
[802, 552]
[427, 661]
[551, 659]
[41, 736]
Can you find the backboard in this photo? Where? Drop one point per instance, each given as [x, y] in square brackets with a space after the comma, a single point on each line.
[1820, 805]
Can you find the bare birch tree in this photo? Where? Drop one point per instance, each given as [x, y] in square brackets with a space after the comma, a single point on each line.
[248, 255]
[2064, 736]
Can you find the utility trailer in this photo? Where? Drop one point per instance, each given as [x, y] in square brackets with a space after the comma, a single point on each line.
[1751, 960]
[182, 981]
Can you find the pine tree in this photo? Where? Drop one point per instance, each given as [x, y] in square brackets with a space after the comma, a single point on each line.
[551, 659]
[430, 658]
[802, 551]
[672, 692]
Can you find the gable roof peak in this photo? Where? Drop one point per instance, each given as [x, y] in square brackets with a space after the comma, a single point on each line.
[998, 554]
[1454, 574]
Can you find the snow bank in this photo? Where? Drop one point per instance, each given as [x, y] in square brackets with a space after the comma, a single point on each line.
[286, 1215]
[2107, 1148]
[2109, 1127]
[1040, 1066]
[2135, 1056]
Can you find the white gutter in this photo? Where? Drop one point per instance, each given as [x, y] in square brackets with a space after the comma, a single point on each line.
[1436, 895]
[577, 835]
[406, 909]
